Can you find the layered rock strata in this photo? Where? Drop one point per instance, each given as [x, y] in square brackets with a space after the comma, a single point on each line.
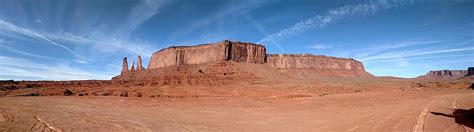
[237, 61]
[308, 61]
[222, 51]
[307, 65]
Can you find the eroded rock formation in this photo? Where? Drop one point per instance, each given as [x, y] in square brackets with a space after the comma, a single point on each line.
[139, 67]
[139, 63]
[133, 66]
[445, 74]
[308, 61]
[470, 71]
[221, 51]
[307, 65]
[124, 65]
[233, 60]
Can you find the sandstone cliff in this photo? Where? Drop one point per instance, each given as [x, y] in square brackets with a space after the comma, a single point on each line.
[444, 74]
[307, 65]
[308, 61]
[207, 63]
[204, 53]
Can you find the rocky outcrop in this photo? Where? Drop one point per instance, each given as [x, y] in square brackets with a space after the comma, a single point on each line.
[219, 61]
[445, 74]
[139, 66]
[204, 53]
[245, 52]
[308, 61]
[133, 66]
[139, 63]
[470, 71]
[124, 65]
[307, 65]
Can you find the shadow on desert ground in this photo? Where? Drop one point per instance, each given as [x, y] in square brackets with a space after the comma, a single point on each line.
[462, 116]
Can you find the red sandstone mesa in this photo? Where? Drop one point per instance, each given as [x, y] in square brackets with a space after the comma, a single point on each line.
[308, 61]
[445, 74]
[307, 65]
[185, 60]
[221, 51]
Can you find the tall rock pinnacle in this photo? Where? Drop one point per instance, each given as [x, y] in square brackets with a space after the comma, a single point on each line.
[124, 65]
[139, 63]
[133, 66]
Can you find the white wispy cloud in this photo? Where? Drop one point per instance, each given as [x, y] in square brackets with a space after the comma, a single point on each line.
[140, 14]
[16, 29]
[412, 53]
[457, 61]
[319, 46]
[4, 47]
[389, 46]
[114, 66]
[256, 25]
[421, 58]
[263, 31]
[234, 8]
[333, 15]
[109, 38]
[108, 44]
[21, 68]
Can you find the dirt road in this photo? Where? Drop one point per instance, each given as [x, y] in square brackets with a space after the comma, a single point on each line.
[364, 111]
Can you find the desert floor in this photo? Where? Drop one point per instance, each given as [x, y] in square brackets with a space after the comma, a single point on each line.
[394, 110]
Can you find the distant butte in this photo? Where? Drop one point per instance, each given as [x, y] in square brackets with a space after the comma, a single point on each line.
[444, 74]
[238, 61]
[470, 71]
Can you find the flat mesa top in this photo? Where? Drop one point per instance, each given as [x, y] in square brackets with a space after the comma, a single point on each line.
[207, 44]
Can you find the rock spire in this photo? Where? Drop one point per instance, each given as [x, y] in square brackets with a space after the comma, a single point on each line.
[139, 63]
[124, 65]
[133, 66]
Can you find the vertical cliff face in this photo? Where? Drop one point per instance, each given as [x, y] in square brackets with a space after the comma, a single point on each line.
[246, 52]
[307, 61]
[307, 65]
[222, 51]
[229, 52]
[175, 56]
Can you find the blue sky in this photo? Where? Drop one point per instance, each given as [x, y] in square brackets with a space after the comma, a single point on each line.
[86, 39]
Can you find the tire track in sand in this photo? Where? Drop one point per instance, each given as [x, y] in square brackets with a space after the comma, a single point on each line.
[42, 124]
[420, 124]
